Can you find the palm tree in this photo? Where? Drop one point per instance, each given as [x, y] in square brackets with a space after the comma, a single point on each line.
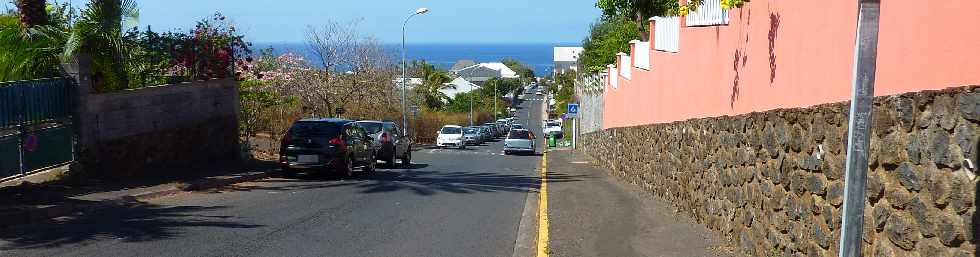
[29, 43]
[32, 13]
[433, 80]
[98, 33]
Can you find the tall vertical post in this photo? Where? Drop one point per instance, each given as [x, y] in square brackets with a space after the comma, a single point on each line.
[494, 100]
[404, 81]
[471, 104]
[859, 125]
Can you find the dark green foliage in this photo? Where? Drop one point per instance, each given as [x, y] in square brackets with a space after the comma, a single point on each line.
[609, 35]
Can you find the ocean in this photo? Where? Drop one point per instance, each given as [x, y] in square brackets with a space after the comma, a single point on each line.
[443, 56]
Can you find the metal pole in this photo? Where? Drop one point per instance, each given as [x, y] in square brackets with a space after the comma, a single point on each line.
[865, 55]
[574, 131]
[405, 79]
[495, 101]
[471, 104]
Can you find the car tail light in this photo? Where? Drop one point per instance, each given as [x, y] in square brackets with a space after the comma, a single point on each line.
[337, 141]
[286, 139]
[384, 138]
[282, 159]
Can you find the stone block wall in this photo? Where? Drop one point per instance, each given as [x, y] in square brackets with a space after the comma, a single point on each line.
[772, 182]
[135, 131]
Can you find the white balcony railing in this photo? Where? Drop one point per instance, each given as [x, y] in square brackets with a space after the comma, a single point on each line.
[709, 13]
[641, 55]
[667, 33]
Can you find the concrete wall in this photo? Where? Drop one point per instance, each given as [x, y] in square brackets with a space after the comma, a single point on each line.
[784, 54]
[773, 181]
[135, 131]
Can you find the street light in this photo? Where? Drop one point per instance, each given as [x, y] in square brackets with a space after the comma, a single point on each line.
[404, 73]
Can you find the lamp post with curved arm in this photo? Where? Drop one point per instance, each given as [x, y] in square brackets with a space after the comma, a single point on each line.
[404, 72]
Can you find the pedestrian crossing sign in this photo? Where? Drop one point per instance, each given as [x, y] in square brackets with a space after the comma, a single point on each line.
[572, 110]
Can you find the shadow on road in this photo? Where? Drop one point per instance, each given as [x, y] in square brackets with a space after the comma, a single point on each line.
[433, 182]
[126, 222]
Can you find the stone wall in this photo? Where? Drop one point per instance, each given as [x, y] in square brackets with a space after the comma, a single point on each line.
[135, 131]
[772, 182]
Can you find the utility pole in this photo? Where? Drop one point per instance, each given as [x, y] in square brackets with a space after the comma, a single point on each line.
[495, 100]
[471, 104]
[859, 126]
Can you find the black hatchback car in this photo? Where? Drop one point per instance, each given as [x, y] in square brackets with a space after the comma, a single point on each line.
[336, 145]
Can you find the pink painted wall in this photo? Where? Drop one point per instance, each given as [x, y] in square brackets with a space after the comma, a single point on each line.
[922, 46]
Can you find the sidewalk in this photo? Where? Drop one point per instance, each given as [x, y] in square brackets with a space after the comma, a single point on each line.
[34, 203]
[601, 216]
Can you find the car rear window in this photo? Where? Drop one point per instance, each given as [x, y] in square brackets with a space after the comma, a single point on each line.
[472, 131]
[552, 124]
[452, 130]
[519, 134]
[308, 129]
[371, 127]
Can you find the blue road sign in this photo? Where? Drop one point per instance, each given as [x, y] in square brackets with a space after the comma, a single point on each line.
[572, 110]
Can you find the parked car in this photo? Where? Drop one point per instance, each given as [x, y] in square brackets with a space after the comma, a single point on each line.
[451, 135]
[494, 129]
[389, 142]
[472, 136]
[552, 128]
[336, 145]
[519, 141]
[486, 133]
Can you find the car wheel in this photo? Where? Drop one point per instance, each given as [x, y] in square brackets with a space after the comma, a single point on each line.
[407, 158]
[371, 165]
[348, 169]
[506, 152]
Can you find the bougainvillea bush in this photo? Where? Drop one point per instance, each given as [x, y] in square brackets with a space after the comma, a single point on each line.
[208, 51]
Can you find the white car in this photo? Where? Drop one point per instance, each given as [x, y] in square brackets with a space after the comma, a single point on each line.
[451, 136]
[553, 128]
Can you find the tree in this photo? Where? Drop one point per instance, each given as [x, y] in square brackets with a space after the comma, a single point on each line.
[31, 45]
[98, 33]
[32, 13]
[433, 81]
[522, 69]
[608, 36]
[639, 11]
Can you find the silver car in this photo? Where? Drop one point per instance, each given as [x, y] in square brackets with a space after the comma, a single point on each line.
[389, 142]
[519, 141]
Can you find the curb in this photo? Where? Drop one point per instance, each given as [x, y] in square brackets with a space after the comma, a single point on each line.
[38, 214]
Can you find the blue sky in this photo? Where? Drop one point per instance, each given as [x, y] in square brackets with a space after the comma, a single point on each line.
[450, 21]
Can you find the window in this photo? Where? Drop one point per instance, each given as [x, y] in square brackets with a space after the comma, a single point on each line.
[309, 129]
[451, 130]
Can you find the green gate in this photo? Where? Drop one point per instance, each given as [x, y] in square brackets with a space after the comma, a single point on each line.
[36, 132]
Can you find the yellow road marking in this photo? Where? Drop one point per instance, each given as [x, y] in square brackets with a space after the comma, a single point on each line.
[543, 250]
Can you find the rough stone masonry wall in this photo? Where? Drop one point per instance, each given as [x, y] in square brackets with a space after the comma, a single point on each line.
[135, 131]
[773, 181]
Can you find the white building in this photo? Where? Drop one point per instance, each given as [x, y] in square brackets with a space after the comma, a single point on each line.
[458, 85]
[566, 58]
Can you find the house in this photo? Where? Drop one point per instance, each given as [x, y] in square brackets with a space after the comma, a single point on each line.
[483, 72]
[461, 64]
[566, 58]
[412, 82]
[458, 85]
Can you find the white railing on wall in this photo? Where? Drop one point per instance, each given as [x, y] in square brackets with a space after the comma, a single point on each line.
[625, 65]
[667, 33]
[709, 13]
[613, 78]
[641, 55]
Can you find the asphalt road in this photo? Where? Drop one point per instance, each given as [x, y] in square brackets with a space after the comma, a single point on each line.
[448, 203]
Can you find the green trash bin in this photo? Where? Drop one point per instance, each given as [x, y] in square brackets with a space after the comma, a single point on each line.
[551, 141]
